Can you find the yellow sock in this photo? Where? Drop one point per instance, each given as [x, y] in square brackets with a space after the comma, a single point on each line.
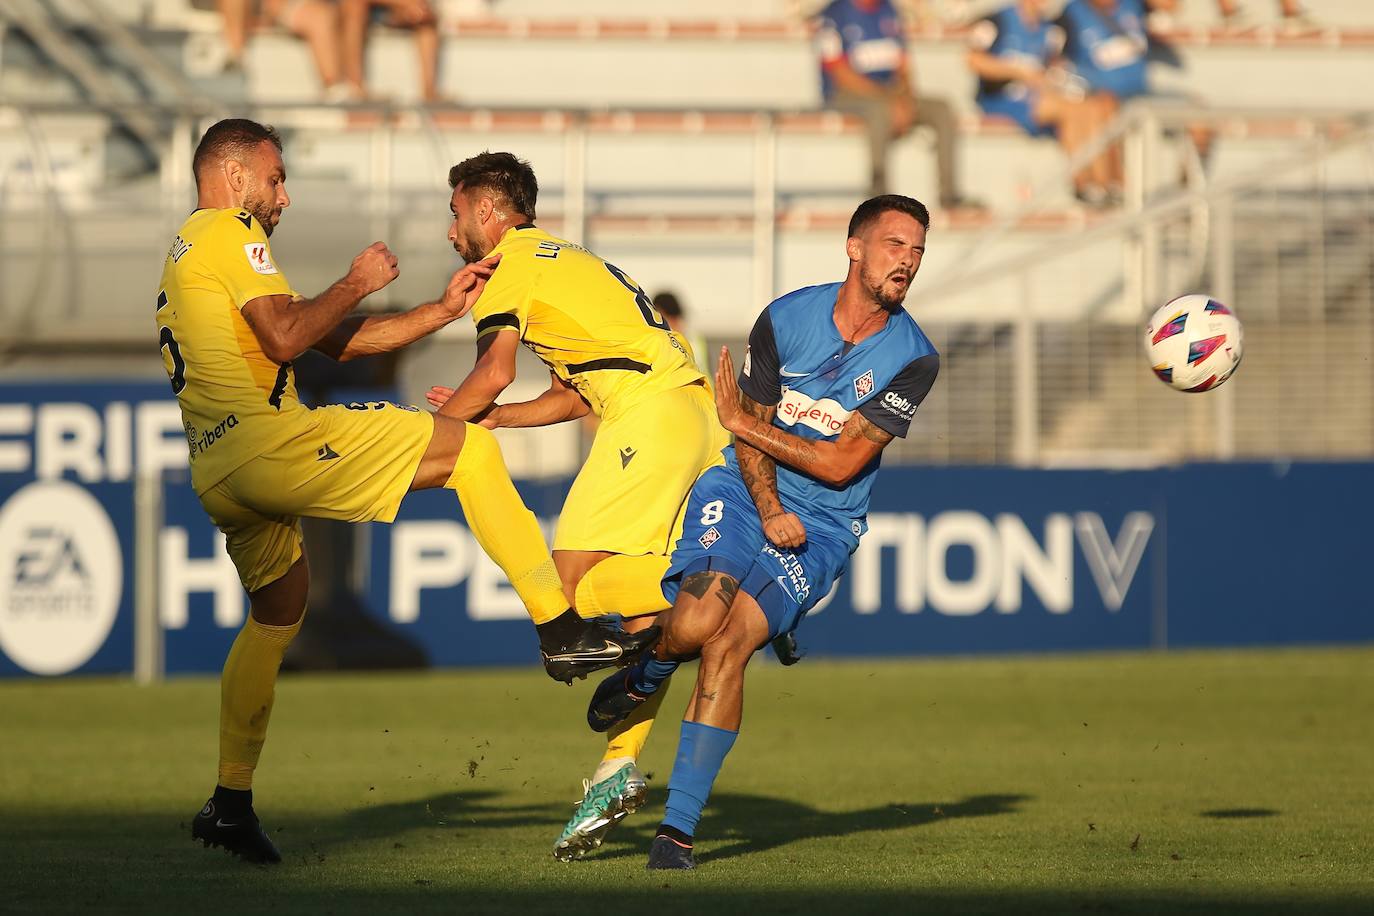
[506, 529]
[627, 739]
[247, 688]
[629, 586]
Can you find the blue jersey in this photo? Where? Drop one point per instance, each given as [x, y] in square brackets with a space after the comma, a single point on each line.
[797, 361]
[869, 41]
[1006, 35]
[1107, 49]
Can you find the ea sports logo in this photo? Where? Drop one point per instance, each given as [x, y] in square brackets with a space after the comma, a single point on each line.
[61, 576]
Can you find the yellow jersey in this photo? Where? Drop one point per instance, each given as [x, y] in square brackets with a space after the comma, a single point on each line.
[591, 324]
[236, 403]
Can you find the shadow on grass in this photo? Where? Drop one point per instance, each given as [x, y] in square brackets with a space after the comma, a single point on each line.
[1238, 813]
[737, 824]
[145, 863]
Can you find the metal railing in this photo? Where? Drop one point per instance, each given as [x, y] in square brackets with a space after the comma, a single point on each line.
[1042, 361]
[1205, 257]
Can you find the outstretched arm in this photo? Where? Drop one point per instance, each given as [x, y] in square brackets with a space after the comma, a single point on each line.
[834, 462]
[287, 327]
[366, 335]
[558, 404]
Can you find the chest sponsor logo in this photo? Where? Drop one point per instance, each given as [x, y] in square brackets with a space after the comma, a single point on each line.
[863, 385]
[259, 259]
[826, 416]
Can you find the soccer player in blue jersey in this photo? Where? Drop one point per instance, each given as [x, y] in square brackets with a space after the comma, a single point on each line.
[832, 374]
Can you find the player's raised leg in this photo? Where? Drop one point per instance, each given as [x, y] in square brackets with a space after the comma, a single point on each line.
[467, 459]
[617, 788]
[626, 704]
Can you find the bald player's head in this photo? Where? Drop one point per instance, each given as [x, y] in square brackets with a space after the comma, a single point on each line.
[238, 164]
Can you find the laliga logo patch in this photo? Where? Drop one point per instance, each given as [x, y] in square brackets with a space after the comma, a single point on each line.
[258, 258]
[748, 362]
[863, 385]
[709, 538]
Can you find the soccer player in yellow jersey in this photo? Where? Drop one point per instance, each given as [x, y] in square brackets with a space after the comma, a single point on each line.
[609, 352]
[229, 325]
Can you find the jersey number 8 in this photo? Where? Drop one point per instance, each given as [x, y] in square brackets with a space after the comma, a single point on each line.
[646, 305]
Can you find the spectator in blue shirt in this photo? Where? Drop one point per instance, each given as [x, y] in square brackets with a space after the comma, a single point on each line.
[1106, 42]
[1014, 53]
[865, 71]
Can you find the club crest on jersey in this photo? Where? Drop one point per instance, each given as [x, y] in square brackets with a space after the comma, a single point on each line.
[709, 538]
[259, 259]
[863, 385]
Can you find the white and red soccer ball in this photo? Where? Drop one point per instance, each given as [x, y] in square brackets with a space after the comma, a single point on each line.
[1194, 343]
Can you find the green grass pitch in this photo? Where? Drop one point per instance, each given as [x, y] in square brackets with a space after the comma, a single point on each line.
[1201, 782]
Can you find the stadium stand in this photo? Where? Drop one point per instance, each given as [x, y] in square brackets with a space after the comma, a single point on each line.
[711, 171]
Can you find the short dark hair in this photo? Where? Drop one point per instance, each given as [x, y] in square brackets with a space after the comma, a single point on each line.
[502, 175]
[875, 207]
[666, 303]
[230, 138]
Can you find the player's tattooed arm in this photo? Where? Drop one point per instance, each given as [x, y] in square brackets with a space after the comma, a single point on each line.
[760, 473]
[834, 462]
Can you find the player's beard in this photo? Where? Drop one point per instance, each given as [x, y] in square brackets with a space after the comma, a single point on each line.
[883, 293]
[263, 212]
[470, 247]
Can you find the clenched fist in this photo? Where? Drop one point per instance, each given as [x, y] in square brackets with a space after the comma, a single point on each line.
[374, 268]
[784, 530]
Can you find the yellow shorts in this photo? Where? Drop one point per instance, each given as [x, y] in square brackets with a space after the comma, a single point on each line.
[631, 492]
[351, 463]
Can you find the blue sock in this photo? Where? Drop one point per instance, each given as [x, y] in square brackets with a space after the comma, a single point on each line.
[649, 675]
[700, 752]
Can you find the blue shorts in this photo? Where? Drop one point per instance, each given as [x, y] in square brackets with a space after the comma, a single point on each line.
[1018, 110]
[722, 532]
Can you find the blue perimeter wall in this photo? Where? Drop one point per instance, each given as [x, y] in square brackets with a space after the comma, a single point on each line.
[957, 560]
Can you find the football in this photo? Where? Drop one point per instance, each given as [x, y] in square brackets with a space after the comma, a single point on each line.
[1194, 343]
